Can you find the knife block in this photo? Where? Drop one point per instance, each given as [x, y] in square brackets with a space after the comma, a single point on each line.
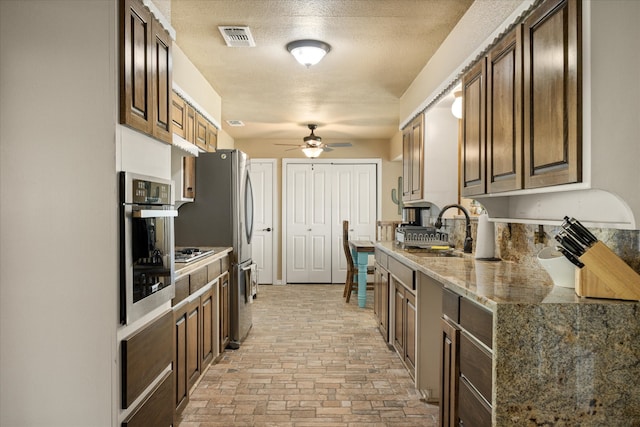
[605, 275]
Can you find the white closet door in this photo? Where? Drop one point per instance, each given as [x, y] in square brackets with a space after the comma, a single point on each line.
[264, 229]
[309, 231]
[354, 199]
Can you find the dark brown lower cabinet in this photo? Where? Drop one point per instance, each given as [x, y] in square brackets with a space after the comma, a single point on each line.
[209, 317]
[156, 410]
[145, 354]
[381, 300]
[472, 409]
[180, 358]
[449, 375]
[193, 335]
[466, 363]
[404, 325]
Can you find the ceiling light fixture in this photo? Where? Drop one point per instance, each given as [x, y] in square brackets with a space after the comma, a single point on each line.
[312, 152]
[456, 107]
[308, 52]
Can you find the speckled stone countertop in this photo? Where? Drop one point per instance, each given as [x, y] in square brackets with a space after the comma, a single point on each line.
[558, 359]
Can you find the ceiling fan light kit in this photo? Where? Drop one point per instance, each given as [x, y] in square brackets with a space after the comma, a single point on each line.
[313, 145]
[308, 52]
[312, 152]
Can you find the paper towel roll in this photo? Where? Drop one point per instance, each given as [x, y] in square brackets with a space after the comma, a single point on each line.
[485, 238]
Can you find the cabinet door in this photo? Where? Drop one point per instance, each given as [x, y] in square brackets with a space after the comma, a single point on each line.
[398, 322]
[201, 131]
[207, 322]
[181, 387]
[406, 163]
[413, 159]
[449, 374]
[193, 338]
[473, 131]
[135, 67]
[179, 116]
[189, 177]
[381, 300]
[224, 311]
[504, 114]
[161, 82]
[384, 306]
[212, 138]
[417, 157]
[190, 125]
[410, 332]
[552, 98]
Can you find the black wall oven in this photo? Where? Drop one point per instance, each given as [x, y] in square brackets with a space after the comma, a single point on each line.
[147, 215]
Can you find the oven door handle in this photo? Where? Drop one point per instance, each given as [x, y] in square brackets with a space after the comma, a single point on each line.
[155, 213]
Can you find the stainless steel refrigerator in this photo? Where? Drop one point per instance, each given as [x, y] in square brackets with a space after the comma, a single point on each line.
[222, 215]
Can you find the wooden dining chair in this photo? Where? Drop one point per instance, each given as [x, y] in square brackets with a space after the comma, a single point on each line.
[351, 281]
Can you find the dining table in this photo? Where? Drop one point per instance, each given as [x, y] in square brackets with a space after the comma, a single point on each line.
[361, 250]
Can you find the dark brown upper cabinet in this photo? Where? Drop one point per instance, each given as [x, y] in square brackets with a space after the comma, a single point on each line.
[504, 114]
[552, 94]
[145, 72]
[473, 164]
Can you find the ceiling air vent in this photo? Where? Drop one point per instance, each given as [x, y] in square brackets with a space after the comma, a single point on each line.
[237, 36]
[235, 123]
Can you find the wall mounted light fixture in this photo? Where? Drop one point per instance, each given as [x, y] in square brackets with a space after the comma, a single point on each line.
[456, 107]
[308, 52]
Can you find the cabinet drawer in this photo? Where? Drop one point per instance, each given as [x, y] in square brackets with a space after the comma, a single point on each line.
[402, 273]
[472, 410]
[156, 410]
[144, 356]
[477, 320]
[451, 305]
[475, 365]
[382, 258]
[182, 290]
[197, 279]
[214, 269]
[224, 263]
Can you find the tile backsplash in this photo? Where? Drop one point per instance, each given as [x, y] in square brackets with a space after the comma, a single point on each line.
[521, 242]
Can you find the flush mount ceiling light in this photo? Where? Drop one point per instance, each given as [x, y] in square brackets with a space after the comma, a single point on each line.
[308, 52]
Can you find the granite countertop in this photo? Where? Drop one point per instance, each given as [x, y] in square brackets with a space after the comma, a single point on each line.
[492, 282]
[185, 268]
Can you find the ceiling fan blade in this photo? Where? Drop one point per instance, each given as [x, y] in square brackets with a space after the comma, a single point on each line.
[327, 148]
[339, 144]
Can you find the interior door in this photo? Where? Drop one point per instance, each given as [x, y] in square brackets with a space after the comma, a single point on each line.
[354, 193]
[262, 251]
[308, 239]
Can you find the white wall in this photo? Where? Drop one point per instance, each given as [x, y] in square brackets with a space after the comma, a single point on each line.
[58, 212]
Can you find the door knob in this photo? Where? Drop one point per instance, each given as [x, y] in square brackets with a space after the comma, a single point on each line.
[266, 229]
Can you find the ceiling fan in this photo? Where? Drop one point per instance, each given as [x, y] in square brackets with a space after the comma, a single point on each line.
[313, 145]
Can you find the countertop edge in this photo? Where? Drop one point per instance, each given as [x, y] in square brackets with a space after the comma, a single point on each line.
[185, 269]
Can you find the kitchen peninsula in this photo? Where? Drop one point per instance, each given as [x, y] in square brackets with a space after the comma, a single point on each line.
[546, 357]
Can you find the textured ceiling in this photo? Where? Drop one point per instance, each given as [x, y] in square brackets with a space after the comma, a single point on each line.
[378, 48]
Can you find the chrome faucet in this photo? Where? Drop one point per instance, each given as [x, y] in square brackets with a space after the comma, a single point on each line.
[468, 241]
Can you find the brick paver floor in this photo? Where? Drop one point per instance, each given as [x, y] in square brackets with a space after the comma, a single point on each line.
[310, 360]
